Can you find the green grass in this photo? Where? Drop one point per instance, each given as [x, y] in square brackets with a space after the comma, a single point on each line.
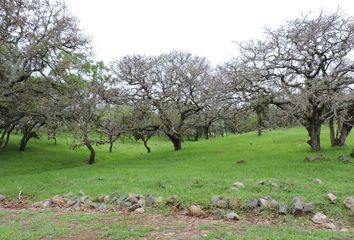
[200, 170]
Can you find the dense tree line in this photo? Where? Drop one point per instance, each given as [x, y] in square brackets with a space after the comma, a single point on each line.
[301, 74]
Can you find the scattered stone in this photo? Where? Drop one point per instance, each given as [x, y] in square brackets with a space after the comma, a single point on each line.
[319, 218]
[273, 184]
[215, 199]
[134, 207]
[71, 202]
[158, 200]
[261, 182]
[241, 161]
[133, 198]
[106, 199]
[297, 206]
[232, 216]
[83, 199]
[309, 207]
[195, 211]
[273, 204]
[343, 158]
[100, 198]
[102, 207]
[222, 203]
[331, 197]
[2, 198]
[283, 209]
[218, 213]
[262, 202]
[58, 200]
[330, 226]
[150, 200]
[317, 181]
[139, 210]
[252, 203]
[47, 203]
[238, 185]
[233, 203]
[349, 202]
[172, 199]
[344, 230]
[314, 158]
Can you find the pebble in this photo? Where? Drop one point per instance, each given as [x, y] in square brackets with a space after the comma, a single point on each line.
[331, 197]
[319, 218]
[2, 198]
[317, 181]
[195, 211]
[238, 185]
[349, 202]
[232, 216]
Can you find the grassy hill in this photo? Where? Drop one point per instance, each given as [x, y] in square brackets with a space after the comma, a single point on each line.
[202, 169]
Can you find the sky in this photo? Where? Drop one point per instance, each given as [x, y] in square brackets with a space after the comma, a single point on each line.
[207, 28]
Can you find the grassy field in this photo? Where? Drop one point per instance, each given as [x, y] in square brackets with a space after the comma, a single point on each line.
[202, 169]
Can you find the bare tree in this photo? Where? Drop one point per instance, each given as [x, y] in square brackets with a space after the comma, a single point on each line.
[173, 84]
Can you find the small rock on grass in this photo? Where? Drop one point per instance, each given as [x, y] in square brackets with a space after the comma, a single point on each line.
[273, 204]
[232, 216]
[172, 199]
[252, 203]
[238, 185]
[330, 226]
[317, 181]
[262, 202]
[2, 198]
[47, 204]
[297, 206]
[283, 209]
[195, 211]
[349, 202]
[309, 207]
[331, 197]
[139, 210]
[319, 218]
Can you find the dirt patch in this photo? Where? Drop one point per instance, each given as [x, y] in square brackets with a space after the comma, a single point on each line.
[85, 235]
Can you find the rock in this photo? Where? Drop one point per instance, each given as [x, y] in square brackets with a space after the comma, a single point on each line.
[273, 184]
[134, 207]
[319, 218]
[317, 181]
[314, 158]
[238, 185]
[195, 211]
[133, 198]
[343, 158]
[106, 199]
[37, 205]
[273, 204]
[2, 198]
[330, 226]
[344, 230]
[218, 213]
[283, 209]
[71, 202]
[102, 207]
[58, 200]
[309, 207]
[222, 203]
[261, 182]
[252, 203]
[262, 202]
[215, 199]
[158, 200]
[241, 161]
[77, 208]
[83, 199]
[331, 197]
[150, 200]
[139, 210]
[125, 204]
[349, 202]
[172, 199]
[47, 203]
[100, 198]
[233, 203]
[232, 216]
[297, 206]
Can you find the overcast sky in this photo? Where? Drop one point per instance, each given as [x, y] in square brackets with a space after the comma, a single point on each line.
[203, 27]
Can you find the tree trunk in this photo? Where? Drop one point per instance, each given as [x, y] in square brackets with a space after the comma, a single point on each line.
[344, 133]
[110, 143]
[176, 140]
[146, 146]
[259, 123]
[314, 130]
[92, 152]
[24, 141]
[206, 131]
[332, 132]
[352, 154]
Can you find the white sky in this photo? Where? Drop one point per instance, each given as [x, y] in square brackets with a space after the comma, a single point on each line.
[202, 27]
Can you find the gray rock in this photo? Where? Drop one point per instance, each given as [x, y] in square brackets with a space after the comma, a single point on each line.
[102, 207]
[262, 202]
[273, 204]
[222, 203]
[283, 209]
[297, 206]
[238, 185]
[100, 198]
[252, 203]
[150, 200]
[319, 218]
[309, 207]
[331, 197]
[195, 211]
[314, 158]
[330, 226]
[47, 203]
[215, 199]
[140, 210]
[134, 207]
[2, 198]
[172, 199]
[317, 181]
[232, 216]
[261, 182]
[343, 159]
[349, 202]
[274, 184]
